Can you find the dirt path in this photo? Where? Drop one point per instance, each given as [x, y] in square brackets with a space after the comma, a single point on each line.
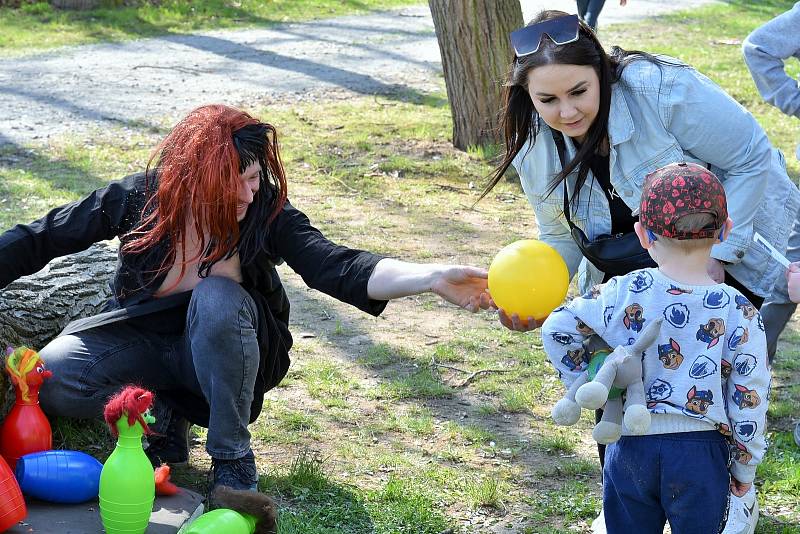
[144, 82]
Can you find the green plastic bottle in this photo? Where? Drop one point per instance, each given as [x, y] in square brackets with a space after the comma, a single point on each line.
[222, 521]
[127, 483]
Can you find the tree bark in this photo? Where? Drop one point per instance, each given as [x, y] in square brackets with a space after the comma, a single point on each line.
[34, 309]
[476, 52]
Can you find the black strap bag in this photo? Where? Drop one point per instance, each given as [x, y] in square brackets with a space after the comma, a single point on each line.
[614, 255]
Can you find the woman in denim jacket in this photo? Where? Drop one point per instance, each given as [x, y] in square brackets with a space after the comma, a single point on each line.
[622, 116]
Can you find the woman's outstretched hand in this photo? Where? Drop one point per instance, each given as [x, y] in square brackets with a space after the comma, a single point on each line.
[514, 322]
[461, 285]
[464, 286]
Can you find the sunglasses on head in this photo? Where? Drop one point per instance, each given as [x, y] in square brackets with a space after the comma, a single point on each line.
[561, 30]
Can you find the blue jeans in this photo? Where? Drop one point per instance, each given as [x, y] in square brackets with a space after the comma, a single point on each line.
[589, 10]
[216, 358]
[680, 477]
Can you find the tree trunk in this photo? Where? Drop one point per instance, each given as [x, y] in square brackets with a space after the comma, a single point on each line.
[34, 309]
[476, 52]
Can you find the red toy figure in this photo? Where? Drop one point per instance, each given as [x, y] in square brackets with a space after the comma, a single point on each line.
[164, 486]
[26, 429]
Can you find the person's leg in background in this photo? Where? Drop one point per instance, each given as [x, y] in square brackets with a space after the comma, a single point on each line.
[593, 12]
[582, 6]
[778, 309]
[599, 523]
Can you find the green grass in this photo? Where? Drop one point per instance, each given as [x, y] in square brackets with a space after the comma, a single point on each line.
[573, 501]
[326, 382]
[39, 26]
[369, 437]
[320, 504]
[559, 442]
[488, 492]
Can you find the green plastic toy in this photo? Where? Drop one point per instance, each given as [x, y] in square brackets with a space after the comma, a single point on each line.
[222, 521]
[127, 486]
[240, 512]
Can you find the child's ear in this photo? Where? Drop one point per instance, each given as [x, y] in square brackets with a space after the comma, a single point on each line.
[726, 230]
[641, 233]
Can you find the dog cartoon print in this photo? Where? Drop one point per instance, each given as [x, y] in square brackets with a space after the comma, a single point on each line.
[724, 429]
[634, 318]
[711, 331]
[746, 398]
[583, 328]
[670, 354]
[675, 290]
[699, 400]
[727, 369]
[573, 359]
[741, 454]
[748, 310]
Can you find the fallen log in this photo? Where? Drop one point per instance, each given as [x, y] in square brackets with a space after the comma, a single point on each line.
[35, 308]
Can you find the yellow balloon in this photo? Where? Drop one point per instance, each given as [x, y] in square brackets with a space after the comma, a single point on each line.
[528, 278]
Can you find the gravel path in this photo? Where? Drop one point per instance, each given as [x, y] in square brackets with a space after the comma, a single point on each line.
[131, 83]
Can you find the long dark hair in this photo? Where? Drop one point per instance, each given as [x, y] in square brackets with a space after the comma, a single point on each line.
[519, 120]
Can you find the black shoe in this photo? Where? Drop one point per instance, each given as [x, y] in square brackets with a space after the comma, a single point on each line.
[173, 446]
[239, 474]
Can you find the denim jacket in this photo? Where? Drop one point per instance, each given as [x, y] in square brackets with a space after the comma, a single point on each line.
[764, 51]
[661, 114]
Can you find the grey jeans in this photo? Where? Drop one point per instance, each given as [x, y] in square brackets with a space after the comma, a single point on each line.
[217, 358]
[777, 308]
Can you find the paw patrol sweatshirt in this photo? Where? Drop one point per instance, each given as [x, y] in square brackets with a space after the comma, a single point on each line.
[708, 370]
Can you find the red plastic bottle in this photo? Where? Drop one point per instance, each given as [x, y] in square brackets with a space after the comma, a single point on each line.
[26, 429]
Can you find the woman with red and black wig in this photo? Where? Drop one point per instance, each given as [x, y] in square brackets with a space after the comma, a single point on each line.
[198, 312]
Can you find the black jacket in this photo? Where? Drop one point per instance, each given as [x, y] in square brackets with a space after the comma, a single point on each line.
[116, 209]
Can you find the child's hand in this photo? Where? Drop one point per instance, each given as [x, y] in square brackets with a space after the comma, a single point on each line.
[513, 322]
[793, 277]
[739, 488]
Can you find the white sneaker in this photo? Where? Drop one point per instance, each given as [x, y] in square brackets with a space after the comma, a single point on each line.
[742, 513]
[599, 524]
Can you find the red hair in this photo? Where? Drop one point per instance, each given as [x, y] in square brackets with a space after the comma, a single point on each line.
[133, 401]
[198, 168]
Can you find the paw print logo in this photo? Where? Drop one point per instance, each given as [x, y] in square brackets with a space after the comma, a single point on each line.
[677, 315]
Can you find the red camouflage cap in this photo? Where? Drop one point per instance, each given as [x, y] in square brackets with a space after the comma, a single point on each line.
[677, 190]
